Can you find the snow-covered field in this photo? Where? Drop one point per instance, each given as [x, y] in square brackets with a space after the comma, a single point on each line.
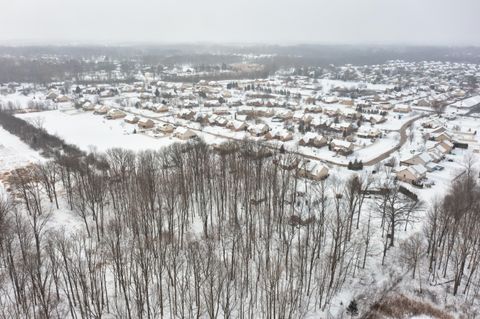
[87, 130]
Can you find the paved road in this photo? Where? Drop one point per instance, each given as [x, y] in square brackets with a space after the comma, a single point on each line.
[403, 139]
[379, 158]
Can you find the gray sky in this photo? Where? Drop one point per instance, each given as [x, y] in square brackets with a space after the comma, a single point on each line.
[451, 22]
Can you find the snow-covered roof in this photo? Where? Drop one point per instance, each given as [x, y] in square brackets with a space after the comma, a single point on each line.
[341, 143]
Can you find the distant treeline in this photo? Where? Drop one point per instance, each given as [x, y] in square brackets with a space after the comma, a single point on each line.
[220, 76]
[29, 63]
[44, 71]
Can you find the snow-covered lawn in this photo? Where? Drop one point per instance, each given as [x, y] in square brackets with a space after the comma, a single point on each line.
[87, 130]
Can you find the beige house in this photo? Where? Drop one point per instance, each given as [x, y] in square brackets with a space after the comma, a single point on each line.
[376, 118]
[411, 174]
[88, 106]
[132, 119]
[184, 133]
[160, 108]
[115, 114]
[342, 147]
[402, 108]
[186, 114]
[145, 123]
[281, 135]
[368, 132]
[419, 159]
[441, 137]
[313, 170]
[313, 139]
[447, 145]
[313, 109]
[62, 98]
[165, 128]
[237, 125]
[101, 109]
[51, 95]
[258, 129]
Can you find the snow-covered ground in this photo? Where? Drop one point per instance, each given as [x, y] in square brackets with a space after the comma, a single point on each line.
[87, 130]
[14, 153]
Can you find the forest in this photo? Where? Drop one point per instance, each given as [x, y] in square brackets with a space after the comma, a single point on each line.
[191, 232]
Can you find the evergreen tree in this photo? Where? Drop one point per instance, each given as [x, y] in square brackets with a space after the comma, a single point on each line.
[352, 308]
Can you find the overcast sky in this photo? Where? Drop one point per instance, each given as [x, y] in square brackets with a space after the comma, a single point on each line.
[437, 22]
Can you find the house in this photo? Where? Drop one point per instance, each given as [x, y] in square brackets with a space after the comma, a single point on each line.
[285, 114]
[346, 101]
[341, 147]
[369, 132]
[439, 150]
[107, 93]
[332, 112]
[424, 103]
[132, 119]
[411, 174]
[313, 109]
[165, 128]
[349, 113]
[143, 96]
[432, 123]
[313, 139]
[221, 111]
[321, 123]
[184, 133]
[212, 103]
[88, 106]
[145, 123]
[447, 146]
[186, 114]
[344, 127]
[386, 106]
[237, 126]
[279, 134]
[422, 159]
[436, 155]
[376, 118]
[62, 99]
[440, 137]
[313, 170]
[330, 99]
[200, 117]
[115, 114]
[51, 96]
[160, 108]
[402, 108]
[101, 109]
[190, 103]
[234, 102]
[307, 118]
[221, 121]
[212, 119]
[258, 129]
